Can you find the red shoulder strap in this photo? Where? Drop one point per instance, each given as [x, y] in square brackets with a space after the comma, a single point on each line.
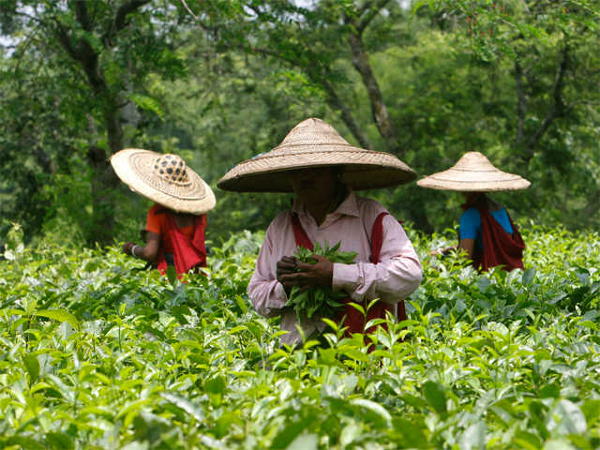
[302, 239]
[377, 238]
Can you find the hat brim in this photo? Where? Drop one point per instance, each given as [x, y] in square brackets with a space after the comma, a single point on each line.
[362, 169]
[134, 168]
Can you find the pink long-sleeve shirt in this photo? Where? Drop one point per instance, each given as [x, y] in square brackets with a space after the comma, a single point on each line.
[395, 277]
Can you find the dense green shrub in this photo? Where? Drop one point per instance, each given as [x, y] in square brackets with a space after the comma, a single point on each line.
[95, 353]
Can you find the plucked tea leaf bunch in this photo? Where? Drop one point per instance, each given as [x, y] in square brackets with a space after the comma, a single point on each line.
[319, 301]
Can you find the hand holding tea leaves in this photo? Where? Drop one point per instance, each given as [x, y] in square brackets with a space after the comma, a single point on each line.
[310, 294]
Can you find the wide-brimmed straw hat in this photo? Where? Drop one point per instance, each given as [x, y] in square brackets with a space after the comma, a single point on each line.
[474, 173]
[310, 144]
[164, 179]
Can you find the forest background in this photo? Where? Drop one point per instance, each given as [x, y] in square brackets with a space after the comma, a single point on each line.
[221, 81]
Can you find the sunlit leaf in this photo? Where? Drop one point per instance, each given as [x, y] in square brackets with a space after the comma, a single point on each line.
[60, 315]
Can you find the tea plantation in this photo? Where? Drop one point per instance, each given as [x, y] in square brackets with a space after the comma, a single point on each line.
[97, 354]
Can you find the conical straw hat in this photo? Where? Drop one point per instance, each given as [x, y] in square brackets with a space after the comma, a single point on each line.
[310, 144]
[474, 173]
[164, 179]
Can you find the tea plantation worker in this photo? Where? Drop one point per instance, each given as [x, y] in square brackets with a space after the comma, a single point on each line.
[176, 223]
[323, 171]
[486, 232]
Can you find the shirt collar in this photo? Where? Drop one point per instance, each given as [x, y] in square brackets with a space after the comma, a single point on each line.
[349, 207]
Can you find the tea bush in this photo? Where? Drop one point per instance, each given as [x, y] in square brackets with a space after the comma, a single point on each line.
[95, 353]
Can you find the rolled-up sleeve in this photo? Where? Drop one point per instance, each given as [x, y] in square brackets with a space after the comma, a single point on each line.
[394, 278]
[266, 293]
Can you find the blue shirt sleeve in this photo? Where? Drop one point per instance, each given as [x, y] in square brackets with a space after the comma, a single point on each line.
[470, 224]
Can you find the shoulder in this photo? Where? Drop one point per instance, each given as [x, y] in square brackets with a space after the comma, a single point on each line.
[503, 211]
[156, 213]
[157, 210]
[280, 222]
[471, 215]
[369, 208]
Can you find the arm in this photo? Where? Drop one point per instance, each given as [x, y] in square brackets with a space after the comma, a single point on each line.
[395, 277]
[149, 252]
[267, 294]
[467, 245]
[470, 228]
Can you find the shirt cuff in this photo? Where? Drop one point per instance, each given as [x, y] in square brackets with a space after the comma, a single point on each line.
[280, 299]
[345, 277]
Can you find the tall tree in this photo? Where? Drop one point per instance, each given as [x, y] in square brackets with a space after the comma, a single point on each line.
[108, 48]
[313, 40]
[547, 48]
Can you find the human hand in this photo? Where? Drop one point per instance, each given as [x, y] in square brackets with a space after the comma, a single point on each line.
[442, 251]
[309, 275]
[127, 246]
[285, 266]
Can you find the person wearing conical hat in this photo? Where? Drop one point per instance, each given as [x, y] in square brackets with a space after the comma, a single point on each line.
[176, 223]
[323, 170]
[486, 231]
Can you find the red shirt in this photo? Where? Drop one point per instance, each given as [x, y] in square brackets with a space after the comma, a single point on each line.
[156, 222]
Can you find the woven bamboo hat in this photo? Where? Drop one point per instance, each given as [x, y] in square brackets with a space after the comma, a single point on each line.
[474, 173]
[164, 179]
[310, 144]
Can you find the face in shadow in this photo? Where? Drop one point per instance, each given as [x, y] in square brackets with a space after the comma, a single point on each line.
[314, 185]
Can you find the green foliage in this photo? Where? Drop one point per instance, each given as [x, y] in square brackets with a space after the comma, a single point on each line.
[95, 353]
[220, 82]
[74, 91]
[318, 301]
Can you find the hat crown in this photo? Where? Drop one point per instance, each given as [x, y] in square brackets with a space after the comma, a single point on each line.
[172, 169]
[311, 132]
[474, 161]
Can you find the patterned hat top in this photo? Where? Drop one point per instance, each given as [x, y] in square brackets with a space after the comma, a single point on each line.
[164, 179]
[314, 143]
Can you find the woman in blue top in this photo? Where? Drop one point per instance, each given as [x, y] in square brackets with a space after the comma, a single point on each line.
[471, 238]
[486, 232]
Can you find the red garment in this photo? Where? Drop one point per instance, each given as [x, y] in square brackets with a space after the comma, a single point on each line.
[499, 247]
[188, 253]
[157, 222]
[354, 319]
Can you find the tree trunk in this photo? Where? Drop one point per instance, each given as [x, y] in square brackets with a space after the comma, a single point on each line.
[104, 180]
[361, 63]
[360, 60]
[526, 145]
[336, 103]
[104, 184]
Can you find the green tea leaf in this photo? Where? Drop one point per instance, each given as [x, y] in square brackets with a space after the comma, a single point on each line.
[186, 405]
[33, 367]
[435, 396]
[60, 315]
[216, 385]
[171, 275]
